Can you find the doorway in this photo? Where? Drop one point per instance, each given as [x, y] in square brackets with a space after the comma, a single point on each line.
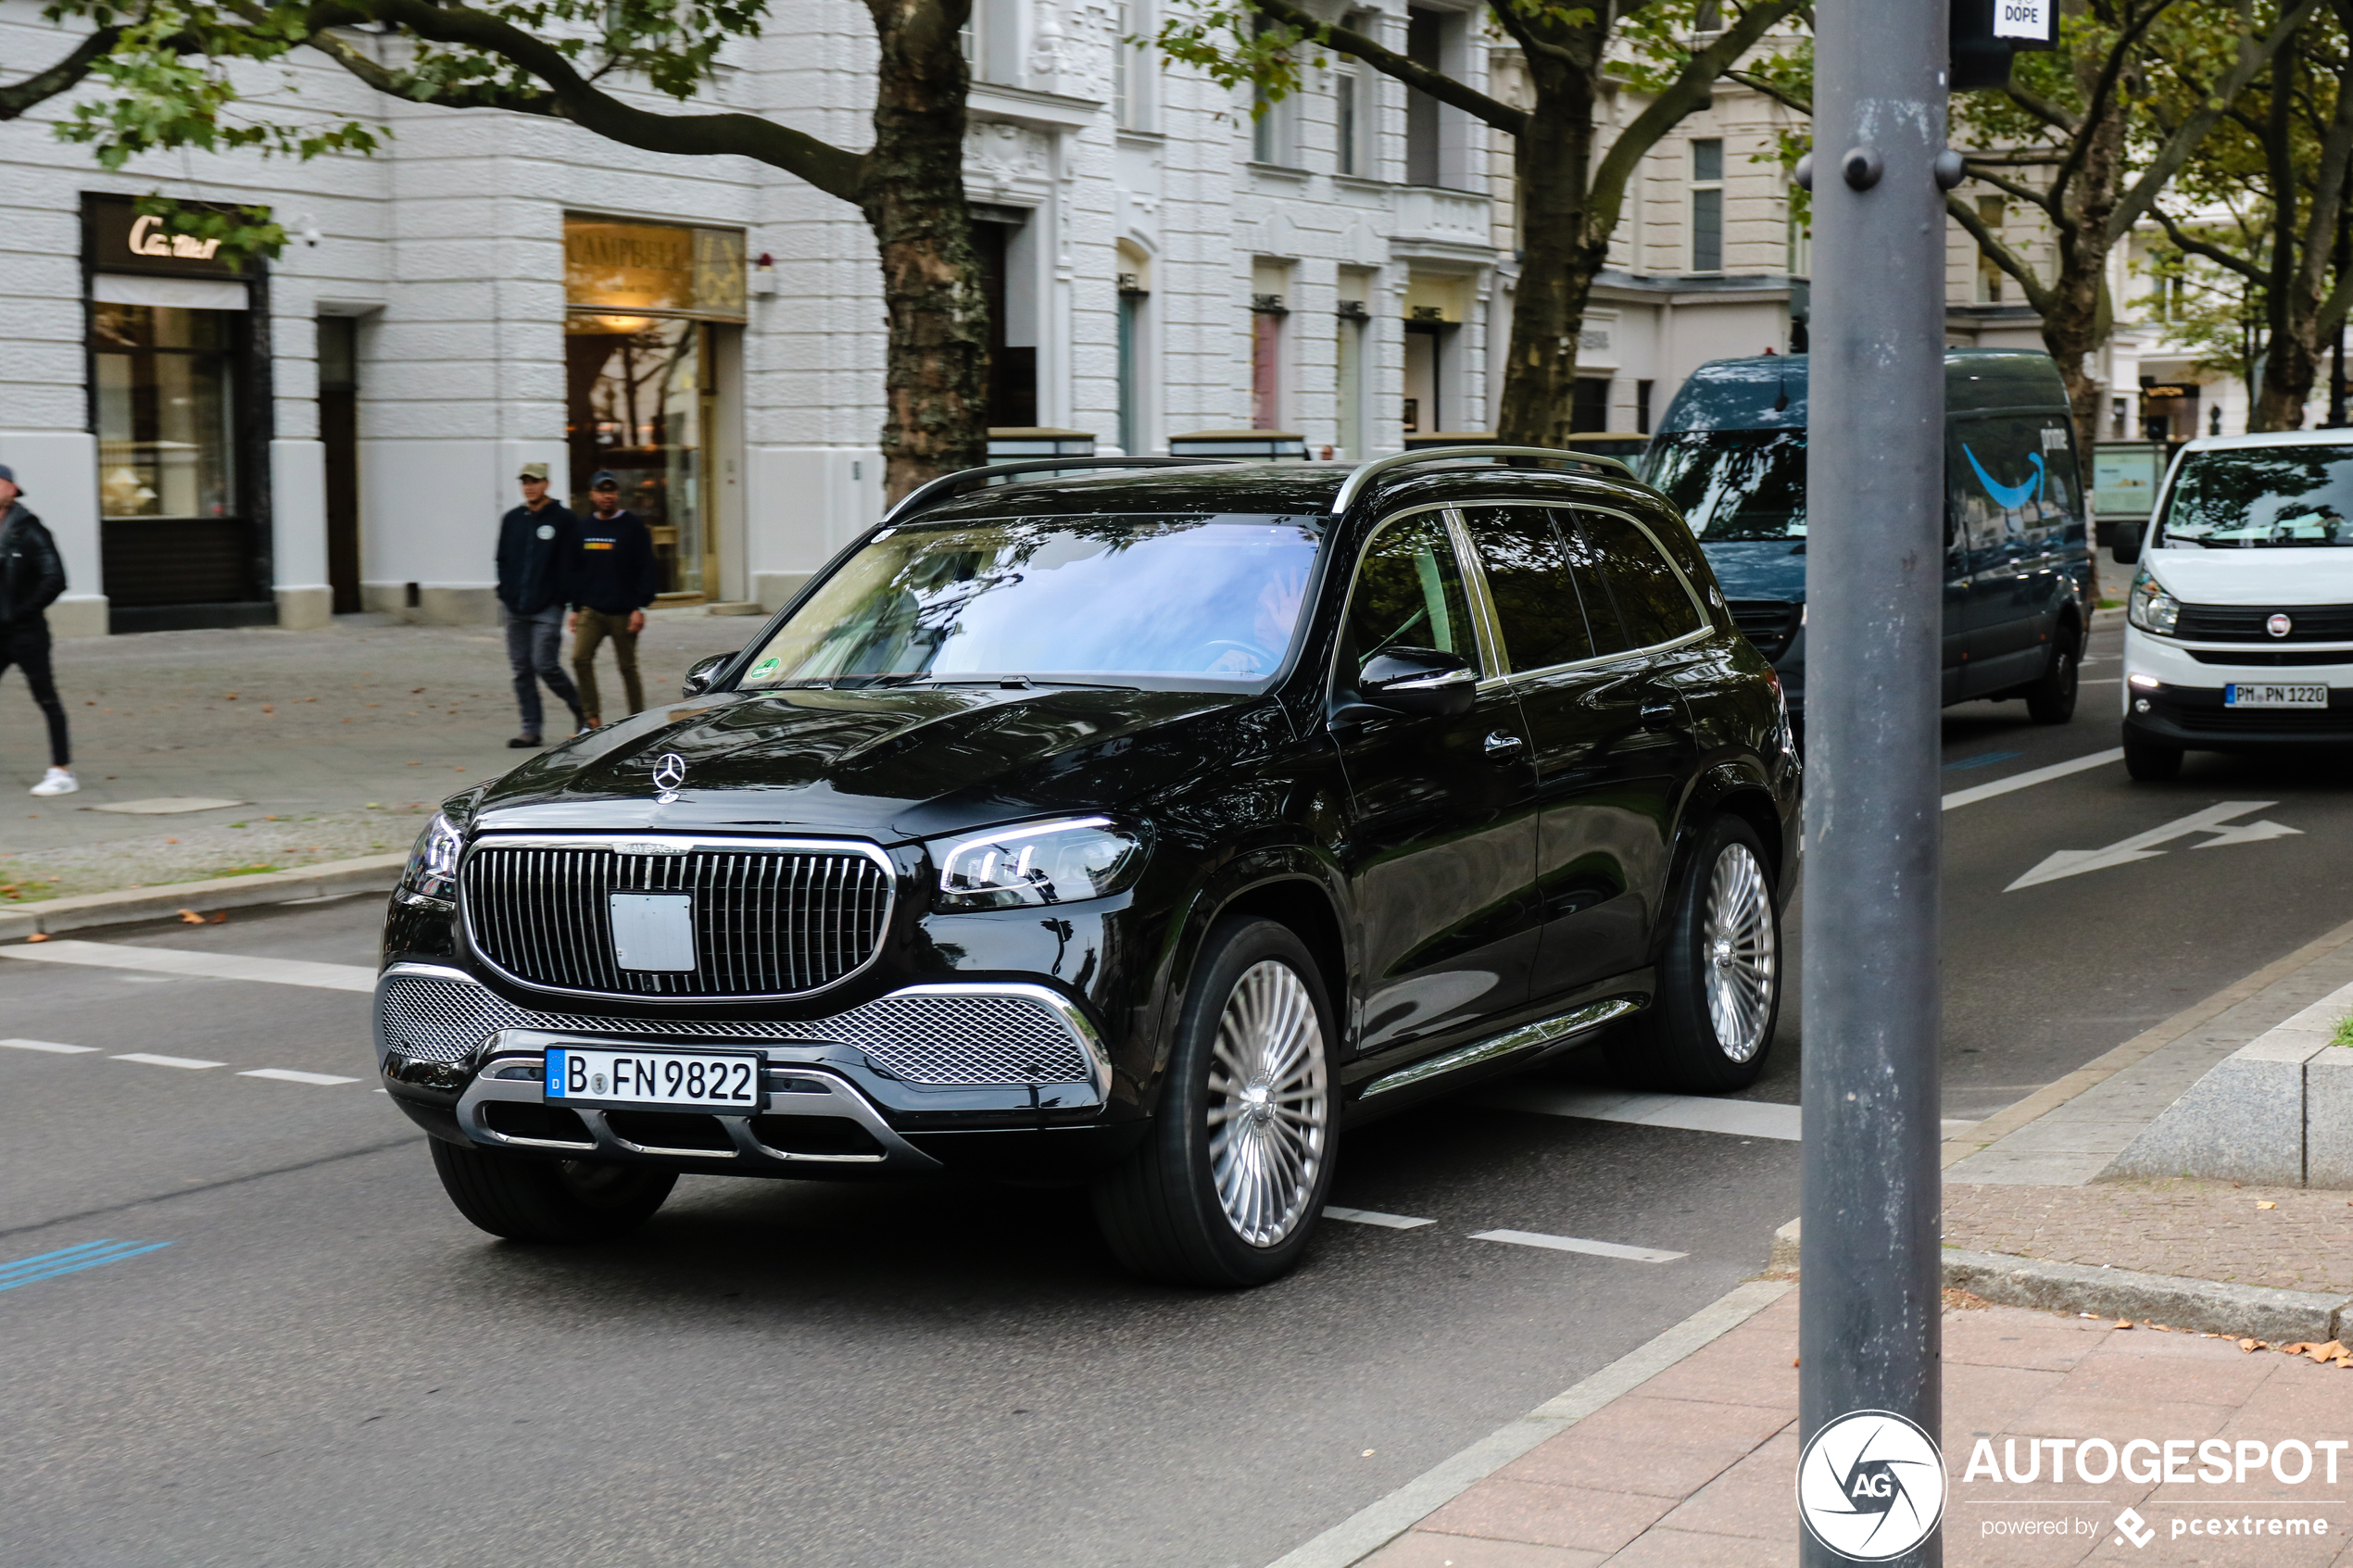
[339, 435]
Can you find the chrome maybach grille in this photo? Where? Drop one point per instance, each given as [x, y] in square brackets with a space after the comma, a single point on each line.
[767, 922]
[925, 1039]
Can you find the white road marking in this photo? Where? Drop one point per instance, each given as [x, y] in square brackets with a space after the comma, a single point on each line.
[1369, 1217]
[288, 1075]
[1696, 1113]
[165, 805]
[1576, 1244]
[2031, 777]
[47, 1045]
[212, 966]
[188, 1061]
[2142, 846]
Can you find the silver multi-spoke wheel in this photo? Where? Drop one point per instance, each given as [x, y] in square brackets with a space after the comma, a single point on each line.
[1737, 938]
[1269, 1109]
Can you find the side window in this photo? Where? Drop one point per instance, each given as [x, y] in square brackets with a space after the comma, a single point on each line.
[1409, 594]
[1527, 578]
[1650, 604]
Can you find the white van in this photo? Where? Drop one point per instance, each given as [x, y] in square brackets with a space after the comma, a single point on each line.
[2239, 633]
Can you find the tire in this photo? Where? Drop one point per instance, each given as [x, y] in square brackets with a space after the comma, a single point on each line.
[562, 1201]
[1226, 1189]
[2150, 763]
[2051, 700]
[1710, 1024]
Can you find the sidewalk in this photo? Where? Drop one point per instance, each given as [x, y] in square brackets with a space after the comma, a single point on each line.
[332, 744]
[1695, 1467]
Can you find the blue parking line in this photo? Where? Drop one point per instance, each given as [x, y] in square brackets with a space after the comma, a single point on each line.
[89, 1255]
[1987, 761]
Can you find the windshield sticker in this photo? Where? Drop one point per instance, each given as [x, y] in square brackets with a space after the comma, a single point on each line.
[2009, 496]
[766, 668]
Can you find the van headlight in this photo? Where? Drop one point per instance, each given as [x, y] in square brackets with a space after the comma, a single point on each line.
[2149, 606]
[432, 872]
[1033, 863]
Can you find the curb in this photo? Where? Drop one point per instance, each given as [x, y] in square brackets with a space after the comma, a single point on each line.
[53, 917]
[2242, 1311]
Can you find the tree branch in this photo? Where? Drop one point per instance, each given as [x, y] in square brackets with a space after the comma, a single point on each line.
[2168, 159]
[19, 97]
[829, 168]
[1412, 73]
[1989, 245]
[2191, 245]
[1770, 89]
[1685, 94]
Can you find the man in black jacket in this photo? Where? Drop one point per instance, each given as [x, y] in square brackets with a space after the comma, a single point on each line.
[535, 543]
[613, 579]
[32, 576]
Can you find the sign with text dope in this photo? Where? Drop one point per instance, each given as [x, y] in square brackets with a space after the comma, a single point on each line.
[2030, 19]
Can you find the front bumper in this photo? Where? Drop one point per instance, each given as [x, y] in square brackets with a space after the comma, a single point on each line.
[2178, 699]
[840, 1093]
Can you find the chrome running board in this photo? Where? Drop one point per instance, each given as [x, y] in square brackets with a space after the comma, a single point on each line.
[1526, 1037]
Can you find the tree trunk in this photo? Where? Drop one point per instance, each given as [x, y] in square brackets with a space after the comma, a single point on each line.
[935, 374]
[2078, 313]
[1560, 259]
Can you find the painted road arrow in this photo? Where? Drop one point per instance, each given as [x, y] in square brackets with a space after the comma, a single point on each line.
[2214, 820]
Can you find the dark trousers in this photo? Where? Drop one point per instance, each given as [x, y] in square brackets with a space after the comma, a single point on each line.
[535, 651]
[27, 646]
[595, 625]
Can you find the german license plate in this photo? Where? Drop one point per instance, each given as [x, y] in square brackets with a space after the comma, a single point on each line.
[2250, 694]
[666, 1078]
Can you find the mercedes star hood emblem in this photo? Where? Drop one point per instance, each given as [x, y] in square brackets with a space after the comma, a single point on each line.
[670, 772]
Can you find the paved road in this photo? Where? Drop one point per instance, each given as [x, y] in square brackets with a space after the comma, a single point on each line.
[325, 1365]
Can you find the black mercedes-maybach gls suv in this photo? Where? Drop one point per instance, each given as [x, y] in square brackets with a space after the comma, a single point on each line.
[1146, 823]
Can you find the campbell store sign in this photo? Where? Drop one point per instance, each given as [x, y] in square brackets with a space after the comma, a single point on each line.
[123, 239]
[670, 270]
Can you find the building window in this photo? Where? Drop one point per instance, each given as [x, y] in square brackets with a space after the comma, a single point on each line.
[1135, 294]
[1643, 407]
[1589, 405]
[1000, 235]
[2117, 414]
[1989, 276]
[1708, 205]
[1424, 46]
[1351, 100]
[1131, 78]
[1350, 360]
[1272, 122]
[1269, 308]
[1800, 245]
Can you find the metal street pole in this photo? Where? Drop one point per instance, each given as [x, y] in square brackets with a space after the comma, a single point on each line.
[1869, 1335]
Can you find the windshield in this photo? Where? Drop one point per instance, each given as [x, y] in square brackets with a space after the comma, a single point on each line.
[1733, 484]
[1207, 603]
[2255, 497]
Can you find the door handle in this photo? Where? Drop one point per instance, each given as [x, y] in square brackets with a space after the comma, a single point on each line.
[1657, 713]
[1503, 747]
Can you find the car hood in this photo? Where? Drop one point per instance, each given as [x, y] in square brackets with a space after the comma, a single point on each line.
[1758, 569]
[2254, 577]
[890, 765]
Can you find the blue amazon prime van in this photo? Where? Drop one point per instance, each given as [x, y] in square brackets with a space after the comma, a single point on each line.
[1730, 453]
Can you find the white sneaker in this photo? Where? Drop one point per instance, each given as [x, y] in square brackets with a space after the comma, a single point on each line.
[58, 781]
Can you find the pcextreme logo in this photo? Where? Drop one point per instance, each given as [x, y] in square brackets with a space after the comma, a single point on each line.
[1870, 1485]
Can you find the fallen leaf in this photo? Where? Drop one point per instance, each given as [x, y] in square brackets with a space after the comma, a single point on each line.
[2323, 1353]
[190, 917]
[2248, 1346]
[1793, 1360]
[2267, 1205]
[2120, 1323]
[38, 936]
[172, 841]
[219, 917]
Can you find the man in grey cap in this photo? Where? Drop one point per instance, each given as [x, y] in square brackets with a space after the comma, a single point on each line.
[32, 576]
[535, 543]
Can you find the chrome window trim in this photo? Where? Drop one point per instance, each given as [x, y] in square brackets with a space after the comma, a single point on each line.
[1701, 632]
[1473, 589]
[675, 844]
[1073, 1017]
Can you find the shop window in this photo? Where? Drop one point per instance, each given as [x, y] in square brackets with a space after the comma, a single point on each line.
[168, 474]
[1708, 205]
[648, 304]
[1269, 308]
[1352, 362]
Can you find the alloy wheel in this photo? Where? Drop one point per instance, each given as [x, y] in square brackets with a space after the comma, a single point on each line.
[1739, 952]
[1269, 1107]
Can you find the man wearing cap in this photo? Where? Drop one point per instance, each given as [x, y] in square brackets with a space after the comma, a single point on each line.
[535, 543]
[613, 579]
[32, 576]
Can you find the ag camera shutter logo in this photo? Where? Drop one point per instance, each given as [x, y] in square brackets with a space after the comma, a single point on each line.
[1870, 1485]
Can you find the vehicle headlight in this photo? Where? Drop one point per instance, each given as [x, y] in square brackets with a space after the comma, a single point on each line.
[432, 864]
[1032, 863]
[2149, 606]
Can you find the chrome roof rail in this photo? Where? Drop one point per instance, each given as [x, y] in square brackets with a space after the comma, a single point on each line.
[1363, 477]
[930, 491]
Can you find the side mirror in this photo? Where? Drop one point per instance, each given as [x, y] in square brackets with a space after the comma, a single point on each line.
[701, 673]
[2127, 548]
[1422, 682]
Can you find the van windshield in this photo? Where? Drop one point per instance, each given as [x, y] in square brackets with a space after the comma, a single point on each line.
[2255, 497]
[1183, 603]
[1734, 485]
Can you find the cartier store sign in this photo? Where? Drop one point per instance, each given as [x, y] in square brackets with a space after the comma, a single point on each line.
[123, 239]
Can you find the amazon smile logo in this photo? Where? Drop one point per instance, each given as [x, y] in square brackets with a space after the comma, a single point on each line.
[2009, 496]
